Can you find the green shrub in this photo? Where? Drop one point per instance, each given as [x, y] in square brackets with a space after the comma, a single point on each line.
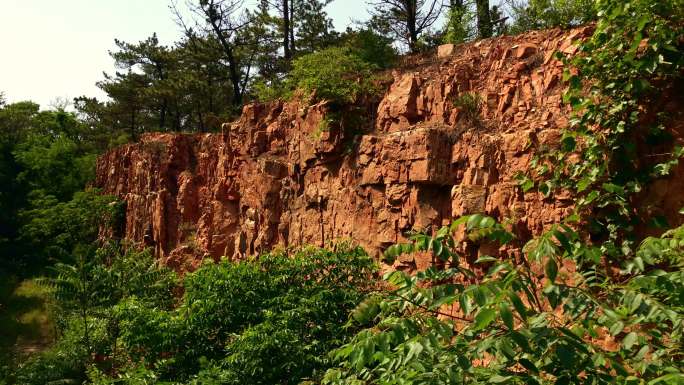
[543, 14]
[459, 26]
[85, 294]
[66, 361]
[54, 229]
[554, 334]
[269, 91]
[470, 105]
[372, 48]
[263, 321]
[336, 74]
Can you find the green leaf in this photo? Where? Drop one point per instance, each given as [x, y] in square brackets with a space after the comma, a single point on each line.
[545, 188]
[497, 379]
[568, 144]
[486, 259]
[437, 247]
[391, 254]
[454, 225]
[466, 305]
[397, 278]
[487, 222]
[526, 184]
[613, 188]
[480, 295]
[521, 341]
[506, 315]
[366, 311]
[671, 378]
[565, 355]
[629, 340]
[447, 299]
[527, 364]
[474, 221]
[551, 269]
[616, 328]
[518, 305]
[483, 318]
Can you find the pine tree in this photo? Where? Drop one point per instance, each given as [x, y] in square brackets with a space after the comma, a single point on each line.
[405, 20]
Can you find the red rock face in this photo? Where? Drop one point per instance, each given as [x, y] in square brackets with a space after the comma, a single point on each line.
[287, 174]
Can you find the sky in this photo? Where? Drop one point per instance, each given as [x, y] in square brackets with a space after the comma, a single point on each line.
[52, 49]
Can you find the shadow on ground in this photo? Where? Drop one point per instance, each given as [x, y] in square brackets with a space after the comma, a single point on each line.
[26, 325]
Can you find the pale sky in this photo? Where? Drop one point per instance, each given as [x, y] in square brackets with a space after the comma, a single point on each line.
[59, 48]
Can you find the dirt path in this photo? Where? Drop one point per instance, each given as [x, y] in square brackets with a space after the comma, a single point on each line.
[25, 322]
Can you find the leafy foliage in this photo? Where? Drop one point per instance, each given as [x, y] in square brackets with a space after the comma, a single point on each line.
[605, 159]
[589, 321]
[264, 321]
[371, 47]
[543, 14]
[335, 74]
[84, 294]
[470, 105]
[45, 157]
[459, 25]
[65, 362]
[55, 229]
[440, 327]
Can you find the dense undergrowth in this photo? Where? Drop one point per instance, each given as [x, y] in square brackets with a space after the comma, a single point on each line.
[262, 321]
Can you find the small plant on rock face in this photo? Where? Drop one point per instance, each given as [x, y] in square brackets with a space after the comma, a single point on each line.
[323, 126]
[336, 74]
[470, 105]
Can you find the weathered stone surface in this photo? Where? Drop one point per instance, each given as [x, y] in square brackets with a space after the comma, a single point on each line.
[274, 178]
[445, 50]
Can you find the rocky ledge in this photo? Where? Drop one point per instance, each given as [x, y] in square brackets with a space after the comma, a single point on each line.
[287, 173]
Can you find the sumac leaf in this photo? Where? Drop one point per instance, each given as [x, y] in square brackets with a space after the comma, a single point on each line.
[506, 315]
[551, 269]
[483, 318]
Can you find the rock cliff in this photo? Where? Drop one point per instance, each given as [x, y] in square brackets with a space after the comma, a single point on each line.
[287, 173]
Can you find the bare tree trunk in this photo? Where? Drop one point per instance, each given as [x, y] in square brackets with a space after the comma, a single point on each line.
[411, 25]
[133, 124]
[286, 30]
[164, 105]
[200, 118]
[292, 38]
[484, 21]
[232, 65]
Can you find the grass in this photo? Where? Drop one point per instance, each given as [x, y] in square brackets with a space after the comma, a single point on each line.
[25, 320]
[470, 104]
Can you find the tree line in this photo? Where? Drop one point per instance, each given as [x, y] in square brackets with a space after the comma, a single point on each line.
[229, 52]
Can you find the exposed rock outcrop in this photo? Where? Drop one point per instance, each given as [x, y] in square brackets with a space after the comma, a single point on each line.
[288, 174]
